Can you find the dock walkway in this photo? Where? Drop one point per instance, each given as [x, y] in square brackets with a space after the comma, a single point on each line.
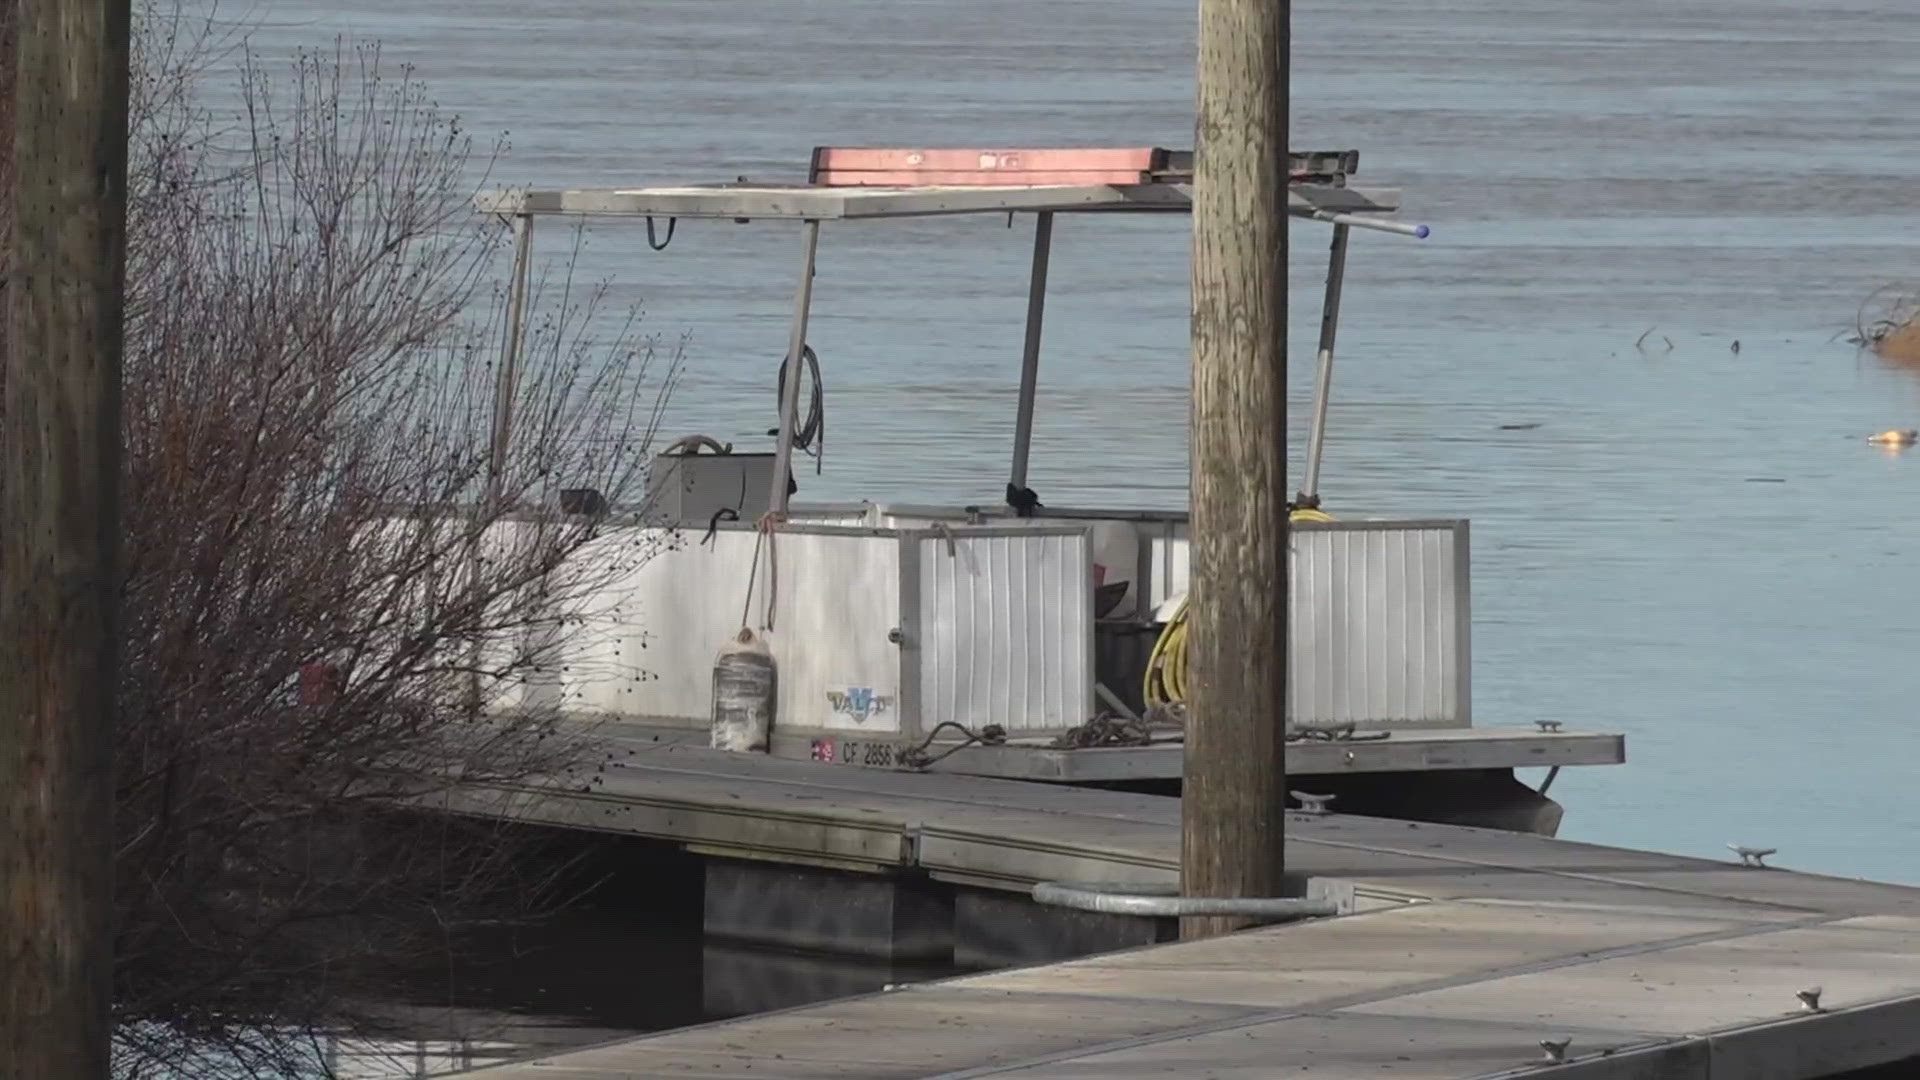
[1472, 947]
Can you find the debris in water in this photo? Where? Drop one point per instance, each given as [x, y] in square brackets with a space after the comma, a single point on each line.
[1888, 322]
[1896, 437]
[1736, 346]
[1901, 344]
[1519, 427]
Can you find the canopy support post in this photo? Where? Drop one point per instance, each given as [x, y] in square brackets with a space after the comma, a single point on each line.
[1323, 384]
[790, 390]
[506, 384]
[506, 389]
[1030, 356]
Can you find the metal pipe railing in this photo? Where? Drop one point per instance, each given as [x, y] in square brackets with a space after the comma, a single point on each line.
[1362, 221]
[1165, 901]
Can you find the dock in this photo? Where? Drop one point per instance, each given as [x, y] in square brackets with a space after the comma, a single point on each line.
[1469, 953]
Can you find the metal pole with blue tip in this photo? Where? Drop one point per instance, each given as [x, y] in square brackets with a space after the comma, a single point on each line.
[1359, 221]
[1309, 496]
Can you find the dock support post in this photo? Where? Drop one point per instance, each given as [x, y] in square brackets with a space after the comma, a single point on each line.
[1233, 808]
[790, 392]
[1030, 355]
[1323, 381]
[506, 384]
[60, 486]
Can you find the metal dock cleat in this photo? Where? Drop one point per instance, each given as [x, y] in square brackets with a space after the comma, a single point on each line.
[1809, 999]
[1547, 725]
[1556, 1049]
[1753, 856]
[1315, 805]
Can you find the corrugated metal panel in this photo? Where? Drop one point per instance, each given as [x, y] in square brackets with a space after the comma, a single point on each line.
[522, 661]
[1379, 621]
[1376, 639]
[838, 598]
[646, 642]
[1005, 629]
[1005, 626]
[1168, 547]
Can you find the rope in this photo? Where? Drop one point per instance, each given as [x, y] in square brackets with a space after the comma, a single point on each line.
[1334, 733]
[725, 513]
[763, 536]
[810, 437]
[915, 757]
[753, 572]
[662, 244]
[768, 528]
[1105, 729]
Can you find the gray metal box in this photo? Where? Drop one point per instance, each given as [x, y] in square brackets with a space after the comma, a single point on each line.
[694, 487]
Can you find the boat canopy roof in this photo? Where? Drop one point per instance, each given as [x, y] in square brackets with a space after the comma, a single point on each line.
[821, 202]
[867, 183]
[870, 184]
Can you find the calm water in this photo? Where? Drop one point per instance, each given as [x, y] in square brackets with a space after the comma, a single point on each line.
[594, 975]
[1718, 170]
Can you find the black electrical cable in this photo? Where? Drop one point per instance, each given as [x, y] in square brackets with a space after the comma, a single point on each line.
[809, 437]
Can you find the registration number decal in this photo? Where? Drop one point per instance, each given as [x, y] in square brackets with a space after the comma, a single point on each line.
[880, 755]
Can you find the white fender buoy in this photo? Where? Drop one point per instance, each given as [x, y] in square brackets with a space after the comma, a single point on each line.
[745, 687]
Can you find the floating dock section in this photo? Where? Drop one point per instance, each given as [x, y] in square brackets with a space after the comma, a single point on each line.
[1470, 952]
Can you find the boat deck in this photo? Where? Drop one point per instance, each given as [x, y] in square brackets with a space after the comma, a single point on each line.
[1404, 750]
[1472, 945]
[1412, 750]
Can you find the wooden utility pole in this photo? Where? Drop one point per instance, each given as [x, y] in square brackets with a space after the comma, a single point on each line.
[60, 538]
[1233, 809]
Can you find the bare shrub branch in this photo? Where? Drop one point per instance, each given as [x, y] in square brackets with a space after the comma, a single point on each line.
[312, 330]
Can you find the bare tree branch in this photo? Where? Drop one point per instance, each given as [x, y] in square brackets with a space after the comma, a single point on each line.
[312, 327]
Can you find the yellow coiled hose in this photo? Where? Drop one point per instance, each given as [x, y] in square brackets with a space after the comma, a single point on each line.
[1166, 681]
